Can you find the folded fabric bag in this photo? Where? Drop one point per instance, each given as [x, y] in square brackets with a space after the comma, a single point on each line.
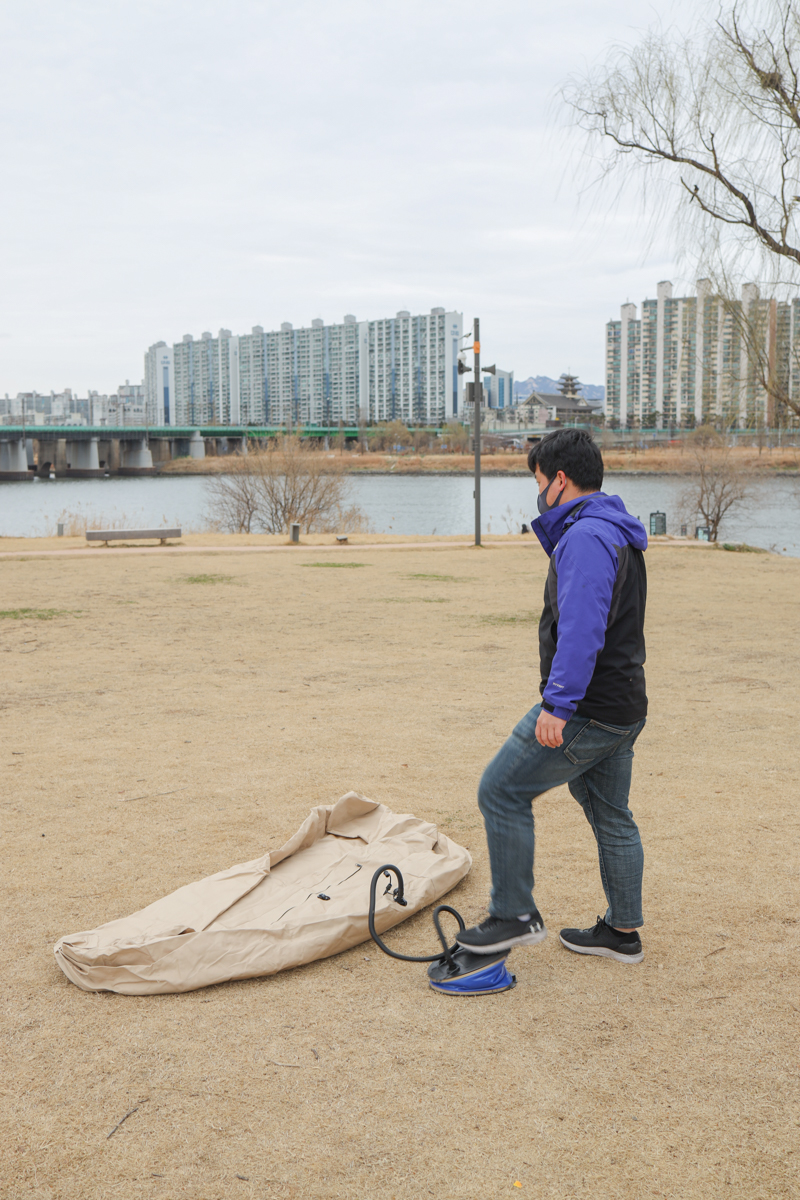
[289, 907]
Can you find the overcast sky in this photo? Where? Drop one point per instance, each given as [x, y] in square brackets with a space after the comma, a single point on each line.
[172, 166]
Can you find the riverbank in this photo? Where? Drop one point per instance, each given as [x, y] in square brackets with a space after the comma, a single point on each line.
[501, 463]
[409, 506]
[163, 719]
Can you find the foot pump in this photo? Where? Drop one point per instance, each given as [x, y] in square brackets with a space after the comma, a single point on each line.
[457, 972]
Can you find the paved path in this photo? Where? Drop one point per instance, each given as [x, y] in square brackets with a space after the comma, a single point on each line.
[177, 549]
[323, 549]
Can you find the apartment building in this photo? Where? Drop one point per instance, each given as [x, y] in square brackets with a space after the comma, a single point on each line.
[400, 368]
[498, 389]
[159, 384]
[124, 407]
[697, 359]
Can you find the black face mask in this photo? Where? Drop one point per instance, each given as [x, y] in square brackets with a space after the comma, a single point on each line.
[541, 501]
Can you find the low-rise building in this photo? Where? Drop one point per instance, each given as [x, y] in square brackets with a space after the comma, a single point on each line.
[542, 410]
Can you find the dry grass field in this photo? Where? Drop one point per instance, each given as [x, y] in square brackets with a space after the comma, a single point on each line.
[165, 715]
[675, 460]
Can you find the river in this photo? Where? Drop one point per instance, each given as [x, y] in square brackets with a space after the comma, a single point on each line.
[418, 504]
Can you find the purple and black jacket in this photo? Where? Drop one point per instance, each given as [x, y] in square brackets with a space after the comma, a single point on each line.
[591, 635]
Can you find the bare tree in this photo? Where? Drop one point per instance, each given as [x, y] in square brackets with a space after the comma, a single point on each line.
[233, 498]
[719, 484]
[297, 486]
[421, 439]
[710, 123]
[386, 436]
[456, 436]
[269, 492]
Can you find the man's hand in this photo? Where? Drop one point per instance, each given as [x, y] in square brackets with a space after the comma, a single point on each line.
[548, 730]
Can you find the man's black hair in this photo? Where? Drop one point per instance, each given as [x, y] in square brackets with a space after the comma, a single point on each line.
[572, 451]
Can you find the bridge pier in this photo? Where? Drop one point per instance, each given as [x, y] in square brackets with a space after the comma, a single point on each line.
[160, 450]
[49, 456]
[136, 458]
[108, 450]
[227, 445]
[14, 460]
[83, 460]
[187, 447]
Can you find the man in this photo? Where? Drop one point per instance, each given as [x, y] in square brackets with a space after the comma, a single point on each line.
[591, 649]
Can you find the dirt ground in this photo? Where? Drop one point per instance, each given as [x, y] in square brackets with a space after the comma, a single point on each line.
[165, 715]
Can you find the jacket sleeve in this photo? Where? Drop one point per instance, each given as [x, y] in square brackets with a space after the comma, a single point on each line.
[587, 571]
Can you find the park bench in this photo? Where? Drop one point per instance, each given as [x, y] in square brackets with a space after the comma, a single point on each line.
[129, 535]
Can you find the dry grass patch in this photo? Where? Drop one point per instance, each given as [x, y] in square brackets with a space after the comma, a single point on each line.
[672, 459]
[333, 564]
[511, 619]
[417, 600]
[36, 614]
[441, 578]
[208, 579]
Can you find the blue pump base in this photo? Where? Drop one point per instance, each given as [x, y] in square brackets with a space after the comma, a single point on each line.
[474, 974]
[456, 972]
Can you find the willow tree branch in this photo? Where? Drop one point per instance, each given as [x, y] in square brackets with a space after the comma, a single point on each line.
[713, 171]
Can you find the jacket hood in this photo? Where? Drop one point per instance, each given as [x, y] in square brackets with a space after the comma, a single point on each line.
[550, 527]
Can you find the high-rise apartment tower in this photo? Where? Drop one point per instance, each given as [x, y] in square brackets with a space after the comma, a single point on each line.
[402, 368]
[698, 359]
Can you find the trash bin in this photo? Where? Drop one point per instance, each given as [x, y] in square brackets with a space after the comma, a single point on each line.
[658, 522]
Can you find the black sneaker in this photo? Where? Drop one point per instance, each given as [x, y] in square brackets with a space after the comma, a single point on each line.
[602, 939]
[498, 933]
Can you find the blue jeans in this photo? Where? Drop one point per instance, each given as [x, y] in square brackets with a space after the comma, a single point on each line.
[595, 760]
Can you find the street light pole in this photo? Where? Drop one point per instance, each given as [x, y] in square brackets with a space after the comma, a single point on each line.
[477, 396]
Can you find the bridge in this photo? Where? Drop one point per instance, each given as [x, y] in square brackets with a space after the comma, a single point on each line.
[90, 451]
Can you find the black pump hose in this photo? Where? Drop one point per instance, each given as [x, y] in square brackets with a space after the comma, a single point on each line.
[398, 897]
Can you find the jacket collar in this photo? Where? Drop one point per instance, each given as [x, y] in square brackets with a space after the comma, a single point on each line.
[550, 525]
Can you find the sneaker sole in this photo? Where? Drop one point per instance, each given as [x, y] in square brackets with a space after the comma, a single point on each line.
[527, 939]
[603, 952]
